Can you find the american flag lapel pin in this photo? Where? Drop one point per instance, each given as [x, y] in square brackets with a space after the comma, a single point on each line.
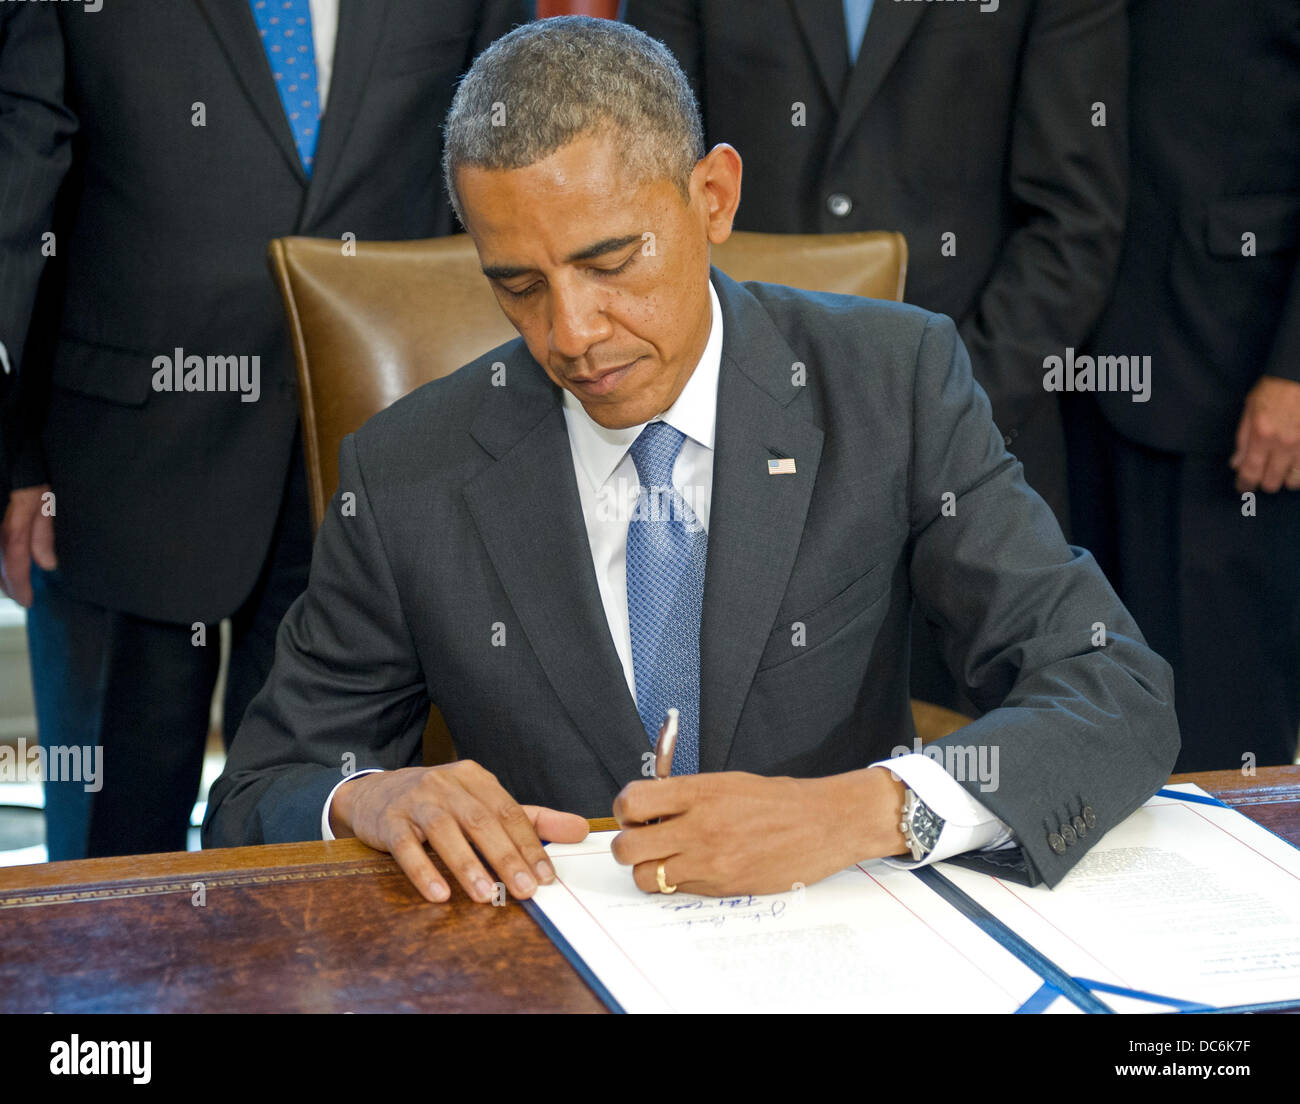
[784, 466]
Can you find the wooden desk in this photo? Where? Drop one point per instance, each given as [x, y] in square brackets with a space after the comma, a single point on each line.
[321, 927]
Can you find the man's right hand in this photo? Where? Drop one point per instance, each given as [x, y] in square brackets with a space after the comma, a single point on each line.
[454, 808]
[27, 534]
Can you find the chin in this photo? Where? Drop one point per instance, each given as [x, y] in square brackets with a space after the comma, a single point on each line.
[615, 415]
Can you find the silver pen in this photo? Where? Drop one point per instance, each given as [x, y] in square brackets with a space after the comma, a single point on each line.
[665, 745]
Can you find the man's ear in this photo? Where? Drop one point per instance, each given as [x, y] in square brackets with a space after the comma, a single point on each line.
[717, 175]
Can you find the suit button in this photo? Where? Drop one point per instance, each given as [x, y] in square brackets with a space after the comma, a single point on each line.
[1056, 843]
[838, 204]
[1079, 826]
[1067, 834]
[1089, 817]
[1009, 436]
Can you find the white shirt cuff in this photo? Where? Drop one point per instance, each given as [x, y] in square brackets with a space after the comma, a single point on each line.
[325, 832]
[967, 824]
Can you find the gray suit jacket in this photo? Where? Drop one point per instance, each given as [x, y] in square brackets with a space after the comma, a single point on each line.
[454, 567]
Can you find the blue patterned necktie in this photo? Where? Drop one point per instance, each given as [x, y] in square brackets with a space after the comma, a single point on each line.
[285, 27]
[666, 547]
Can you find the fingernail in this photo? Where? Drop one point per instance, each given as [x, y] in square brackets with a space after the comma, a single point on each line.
[523, 883]
[438, 891]
[482, 889]
[545, 872]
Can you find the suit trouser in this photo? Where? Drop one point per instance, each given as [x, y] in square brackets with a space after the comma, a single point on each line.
[1216, 592]
[142, 690]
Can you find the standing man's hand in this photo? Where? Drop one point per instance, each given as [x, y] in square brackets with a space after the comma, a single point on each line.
[454, 808]
[729, 833]
[27, 534]
[1268, 437]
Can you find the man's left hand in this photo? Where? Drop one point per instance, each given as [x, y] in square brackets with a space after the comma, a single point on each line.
[1268, 437]
[727, 833]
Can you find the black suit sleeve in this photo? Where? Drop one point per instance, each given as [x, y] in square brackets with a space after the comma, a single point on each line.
[346, 691]
[35, 152]
[1284, 359]
[1080, 711]
[1069, 181]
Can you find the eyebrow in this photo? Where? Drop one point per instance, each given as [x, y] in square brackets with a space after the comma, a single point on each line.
[600, 248]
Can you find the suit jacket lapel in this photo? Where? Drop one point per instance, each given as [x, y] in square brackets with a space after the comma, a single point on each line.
[890, 26]
[822, 24]
[361, 26]
[232, 22]
[756, 520]
[528, 514]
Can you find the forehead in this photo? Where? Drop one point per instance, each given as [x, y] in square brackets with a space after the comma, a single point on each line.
[584, 188]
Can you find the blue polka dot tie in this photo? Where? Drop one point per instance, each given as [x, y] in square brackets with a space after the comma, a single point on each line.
[666, 547]
[285, 27]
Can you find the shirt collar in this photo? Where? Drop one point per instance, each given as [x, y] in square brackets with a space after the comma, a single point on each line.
[600, 450]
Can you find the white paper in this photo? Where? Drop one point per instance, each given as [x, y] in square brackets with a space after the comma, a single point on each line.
[871, 938]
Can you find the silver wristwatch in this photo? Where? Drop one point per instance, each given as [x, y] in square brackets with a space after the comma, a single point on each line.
[920, 825]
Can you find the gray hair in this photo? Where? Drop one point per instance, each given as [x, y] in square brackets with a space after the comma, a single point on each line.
[546, 83]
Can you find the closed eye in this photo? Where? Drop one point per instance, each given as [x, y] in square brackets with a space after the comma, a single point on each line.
[613, 271]
[531, 289]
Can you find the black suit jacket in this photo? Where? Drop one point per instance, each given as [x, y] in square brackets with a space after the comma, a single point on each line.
[1216, 154]
[35, 128]
[457, 570]
[166, 502]
[954, 121]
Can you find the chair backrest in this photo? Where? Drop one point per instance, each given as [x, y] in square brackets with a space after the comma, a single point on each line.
[373, 321]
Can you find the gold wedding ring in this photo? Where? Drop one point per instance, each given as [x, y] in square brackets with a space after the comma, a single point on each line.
[664, 887]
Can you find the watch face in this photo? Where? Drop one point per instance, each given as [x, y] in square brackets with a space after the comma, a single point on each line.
[926, 826]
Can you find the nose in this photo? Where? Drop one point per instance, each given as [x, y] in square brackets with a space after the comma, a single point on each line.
[578, 318]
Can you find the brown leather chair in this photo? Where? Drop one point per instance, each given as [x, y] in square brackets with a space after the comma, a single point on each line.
[369, 327]
[933, 721]
[374, 320]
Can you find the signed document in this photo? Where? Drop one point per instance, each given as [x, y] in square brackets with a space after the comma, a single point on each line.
[1187, 905]
[1184, 907]
[868, 939]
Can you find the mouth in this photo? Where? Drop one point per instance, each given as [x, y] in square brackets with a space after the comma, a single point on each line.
[602, 383]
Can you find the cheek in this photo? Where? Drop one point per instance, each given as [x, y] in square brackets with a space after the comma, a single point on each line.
[647, 312]
[662, 318]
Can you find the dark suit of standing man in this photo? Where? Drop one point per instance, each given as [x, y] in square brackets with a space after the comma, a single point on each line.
[972, 132]
[951, 120]
[178, 508]
[1209, 289]
[35, 128]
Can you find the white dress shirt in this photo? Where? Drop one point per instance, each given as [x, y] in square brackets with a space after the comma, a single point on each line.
[324, 33]
[608, 489]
